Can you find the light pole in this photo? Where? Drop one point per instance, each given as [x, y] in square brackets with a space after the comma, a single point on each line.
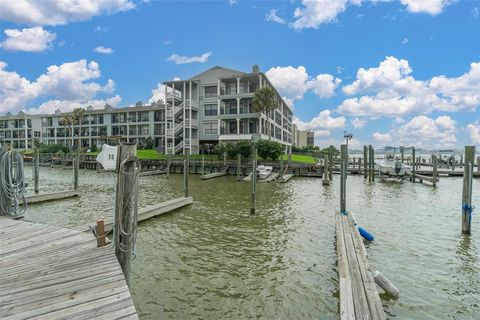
[347, 135]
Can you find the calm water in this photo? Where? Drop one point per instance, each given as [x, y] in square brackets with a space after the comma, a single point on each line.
[213, 260]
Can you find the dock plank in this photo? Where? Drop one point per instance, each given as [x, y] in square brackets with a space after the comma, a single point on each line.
[57, 274]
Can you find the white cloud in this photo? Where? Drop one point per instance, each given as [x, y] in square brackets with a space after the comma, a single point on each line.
[100, 29]
[28, 39]
[405, 41]
[474, 133]
[167, 42]
[59, 12]
[103, 50]
[64, 105]
[317, 12]
[233, 2]
[382, 137]
[185, 59]
[323, 121]
[423, 132]
[70, 81]
[321, 133]
[391, 90]
[432, 7]
[358, 123]
[294, 82]
[158, 93]
[476, 12]
[272, 16]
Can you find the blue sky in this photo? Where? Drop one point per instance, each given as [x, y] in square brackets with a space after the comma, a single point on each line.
[391, 72]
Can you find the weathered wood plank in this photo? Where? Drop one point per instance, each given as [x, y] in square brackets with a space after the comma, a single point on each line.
[46, 273]
[52, 196]
[347, 310]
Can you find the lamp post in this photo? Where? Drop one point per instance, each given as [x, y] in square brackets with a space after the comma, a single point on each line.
[348, 136]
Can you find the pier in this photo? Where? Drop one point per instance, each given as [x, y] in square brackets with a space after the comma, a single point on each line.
[359, 297]
[38, 198]
[56, 273]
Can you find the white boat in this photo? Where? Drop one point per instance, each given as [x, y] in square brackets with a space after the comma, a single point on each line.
[264, 171]
[392, 166]
[447, 157]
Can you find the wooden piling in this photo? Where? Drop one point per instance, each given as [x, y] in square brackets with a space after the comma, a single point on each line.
[365, 162]
[281, 169]
[36, 170]
[478, 164]
[254, 179]
[169, 161]
[330, 162]
[434, 171]
[326, 178]
[186, 172]
[203, 165]
[76, 168]
[100, 233]
[413, 164]
[224, 159]
[239, 166]
[402, 153]
[467, 189]
[125, 206]
[343, 178]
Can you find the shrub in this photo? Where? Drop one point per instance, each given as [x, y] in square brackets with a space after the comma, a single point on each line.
[53, 148]
[269, 149]
[231, 149]
[149, 143]
[245, 148]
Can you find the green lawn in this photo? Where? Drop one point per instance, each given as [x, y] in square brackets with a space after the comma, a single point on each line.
[151, 154]
[300, 158]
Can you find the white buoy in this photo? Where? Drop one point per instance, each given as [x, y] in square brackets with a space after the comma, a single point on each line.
[385, 284]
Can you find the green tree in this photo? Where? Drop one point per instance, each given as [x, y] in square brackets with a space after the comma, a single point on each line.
[149, 143]
[265, 101]
[77, 118]
[245, 149]
[269, 149]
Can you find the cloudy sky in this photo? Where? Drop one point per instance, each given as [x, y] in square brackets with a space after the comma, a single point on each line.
[389, 71]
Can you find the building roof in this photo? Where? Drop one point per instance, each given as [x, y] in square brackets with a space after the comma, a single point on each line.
[234, 72]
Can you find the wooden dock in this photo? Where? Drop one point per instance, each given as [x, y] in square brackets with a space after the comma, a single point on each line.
[286, 177]
[272, 177]
[149, 212]
[359, 297]
[152, 173]
[215, 175]
[55, 273]
[38, 198]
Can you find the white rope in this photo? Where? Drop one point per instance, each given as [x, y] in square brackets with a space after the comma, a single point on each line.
[121, 227]
[12, 180]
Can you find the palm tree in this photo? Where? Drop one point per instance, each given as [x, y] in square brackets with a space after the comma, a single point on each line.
[68, 122]
[265, 101]
[77, 117]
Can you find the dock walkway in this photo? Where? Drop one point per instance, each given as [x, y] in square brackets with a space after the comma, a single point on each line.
[56, 273]
[359, 297]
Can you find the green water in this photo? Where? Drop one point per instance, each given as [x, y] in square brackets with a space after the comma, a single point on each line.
[213, 260]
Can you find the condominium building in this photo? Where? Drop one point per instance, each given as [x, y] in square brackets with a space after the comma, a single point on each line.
[211, 107]
[216, 106]
[305, 139]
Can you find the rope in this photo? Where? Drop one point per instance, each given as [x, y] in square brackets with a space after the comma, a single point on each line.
[12, 180]
[129, 203]
[468, 208]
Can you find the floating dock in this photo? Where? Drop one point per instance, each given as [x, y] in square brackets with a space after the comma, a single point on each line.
[38, 198]
[271, 177]
[286, 177]
[152, 173]
[55, 273]
[149, 212]
[359, 297]
[215, 175]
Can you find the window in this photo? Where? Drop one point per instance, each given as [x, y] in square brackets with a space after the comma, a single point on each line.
[210, 128]
[210, 91]
[211, 109]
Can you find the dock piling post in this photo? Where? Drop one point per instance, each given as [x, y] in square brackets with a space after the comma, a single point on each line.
[36, 170]
[326, 165]
[365, 162]
[330, 162]
[224, 159]
[126, 206]
[478, 164]
[169, 160]
[281, 169]
[254, 179]
[76, 168]
[467, 189]
[414, 164]
[402, 153]
[239, 166]
[100, 233]
[186, 172]
[434, 171]
[203, 165]
[343, 178]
